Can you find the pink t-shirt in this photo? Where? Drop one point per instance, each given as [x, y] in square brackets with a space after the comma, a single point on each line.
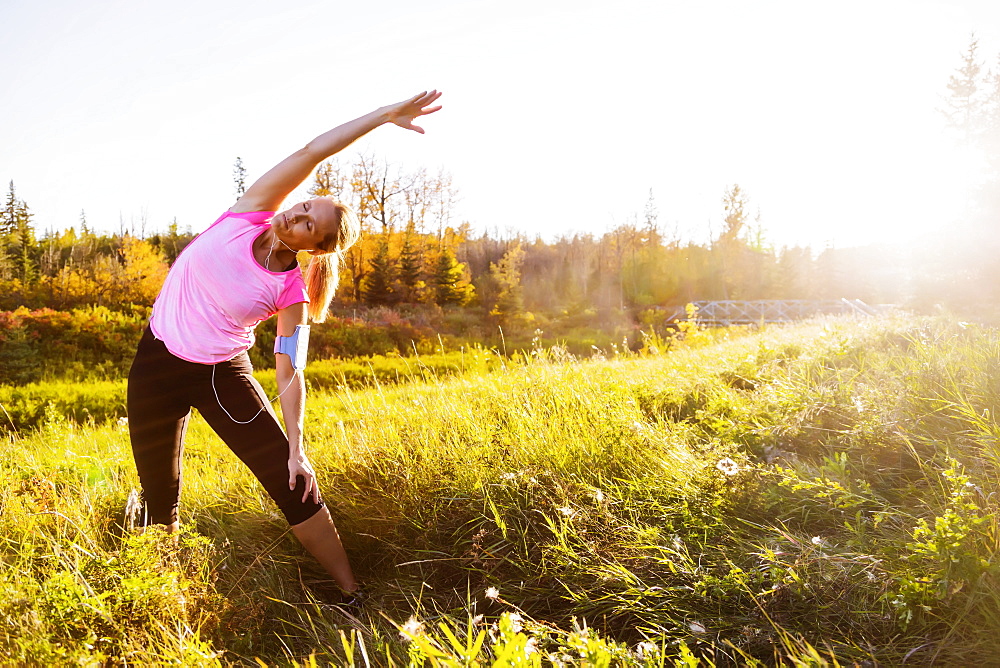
[217, 293]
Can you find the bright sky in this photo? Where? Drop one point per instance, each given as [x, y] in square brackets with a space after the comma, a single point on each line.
[559, 116]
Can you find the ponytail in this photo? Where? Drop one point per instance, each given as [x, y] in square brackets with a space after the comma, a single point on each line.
[323, 272]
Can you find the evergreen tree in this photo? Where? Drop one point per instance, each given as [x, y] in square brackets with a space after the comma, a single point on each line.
[450, 285]
[377, 288]
[18, 239]
[973, 111]
[239, 177]
[25, 265]
[8, 219]
[964, 105]
[411, 270]
[991, 120]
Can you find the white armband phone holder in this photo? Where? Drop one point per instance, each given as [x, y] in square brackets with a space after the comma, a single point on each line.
[295, 346]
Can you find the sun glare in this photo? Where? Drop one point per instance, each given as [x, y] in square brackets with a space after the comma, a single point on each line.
[952, 174]
[920, 194]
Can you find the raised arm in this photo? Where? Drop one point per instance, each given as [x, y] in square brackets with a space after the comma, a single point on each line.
[269, 191]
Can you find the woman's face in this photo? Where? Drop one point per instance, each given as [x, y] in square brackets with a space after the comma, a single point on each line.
[308, 226]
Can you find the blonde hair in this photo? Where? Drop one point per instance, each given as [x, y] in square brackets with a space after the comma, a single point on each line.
[323, 272]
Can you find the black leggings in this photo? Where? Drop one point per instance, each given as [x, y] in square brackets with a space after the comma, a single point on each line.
[162, 388]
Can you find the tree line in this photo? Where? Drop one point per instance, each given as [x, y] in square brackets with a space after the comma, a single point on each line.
[77, 266]
[412, 252]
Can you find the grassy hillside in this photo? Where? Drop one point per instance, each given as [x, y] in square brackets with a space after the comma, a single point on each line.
[807, 495]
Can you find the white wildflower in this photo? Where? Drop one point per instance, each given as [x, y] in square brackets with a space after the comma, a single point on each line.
[816, 540]
[477, 620]
[599, 496]
[515, 622]
[728, 466]
[566, 511]
[644, 649]
[411, 628]
[492, 593]
[123, 422]
[696, 627]
[531, 646]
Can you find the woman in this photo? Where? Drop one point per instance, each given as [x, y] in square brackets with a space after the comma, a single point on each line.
[239, 272]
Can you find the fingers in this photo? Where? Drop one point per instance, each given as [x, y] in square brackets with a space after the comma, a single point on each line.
[424, 98]
[428, 99]
[312, 489]
[310, 484]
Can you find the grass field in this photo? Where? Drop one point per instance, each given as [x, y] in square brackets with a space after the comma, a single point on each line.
[819, 494]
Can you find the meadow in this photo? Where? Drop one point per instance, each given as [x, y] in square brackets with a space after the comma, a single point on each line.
[816, 494]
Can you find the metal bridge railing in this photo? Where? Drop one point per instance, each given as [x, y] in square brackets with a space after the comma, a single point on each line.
[733, 312]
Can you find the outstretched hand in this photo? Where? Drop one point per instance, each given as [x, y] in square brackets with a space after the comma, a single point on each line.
[403, 113]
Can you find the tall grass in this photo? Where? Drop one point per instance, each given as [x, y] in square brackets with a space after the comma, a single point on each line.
[96, 401]
[823, 494]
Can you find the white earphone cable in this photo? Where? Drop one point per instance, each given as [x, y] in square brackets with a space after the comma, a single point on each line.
[262, 408]
[267, 263]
